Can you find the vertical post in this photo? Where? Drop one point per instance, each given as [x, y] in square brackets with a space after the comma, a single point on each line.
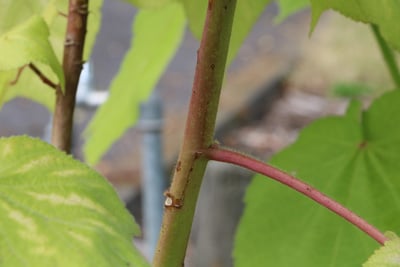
[153, 181]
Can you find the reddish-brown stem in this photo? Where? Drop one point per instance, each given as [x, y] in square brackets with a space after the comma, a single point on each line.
[72, 66]
[36, 70]
[225, 155]
[43, 77]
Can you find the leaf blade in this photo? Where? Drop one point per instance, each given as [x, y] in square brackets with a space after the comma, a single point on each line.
[149, 3]
[142, 67]
[343, 157]
[58, 212]
[384, 14]
[28, 43]
[387, 255]
[14, 13]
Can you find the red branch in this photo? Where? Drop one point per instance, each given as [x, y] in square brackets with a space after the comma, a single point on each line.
[224, 155]
[37, 71]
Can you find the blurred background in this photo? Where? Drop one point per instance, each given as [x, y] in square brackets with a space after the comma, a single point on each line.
[281, 80]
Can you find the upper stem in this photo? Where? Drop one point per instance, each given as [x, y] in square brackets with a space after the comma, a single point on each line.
[387, 55]
[224, 155]
[182, 195]
[72, 66]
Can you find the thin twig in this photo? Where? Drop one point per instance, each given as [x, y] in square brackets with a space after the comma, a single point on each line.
[37, 71]
[19, 72]
[225, 155]
[43, 77]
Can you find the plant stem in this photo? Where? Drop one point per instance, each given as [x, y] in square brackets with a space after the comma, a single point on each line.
[72, 66]
[224, 155]
[182, 196]
[388, 55]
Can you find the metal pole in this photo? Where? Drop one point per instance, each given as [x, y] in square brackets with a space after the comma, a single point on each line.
[153, 181]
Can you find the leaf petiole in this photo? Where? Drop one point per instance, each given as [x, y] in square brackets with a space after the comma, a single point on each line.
[388, 55]
[217, 153]
[43, 77]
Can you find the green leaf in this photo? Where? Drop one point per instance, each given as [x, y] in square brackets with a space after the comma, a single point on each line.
[29, 43]
[28, 86]
[56, 211]
[15, 12]
[246, 14]
[149, 3]
[354, 159]
[387, 255]
[289, 7]
[384, 14]
[140, 71]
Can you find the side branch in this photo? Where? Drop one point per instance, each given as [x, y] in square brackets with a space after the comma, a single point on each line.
[37, 71]
[224, 155]
[43, 77]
